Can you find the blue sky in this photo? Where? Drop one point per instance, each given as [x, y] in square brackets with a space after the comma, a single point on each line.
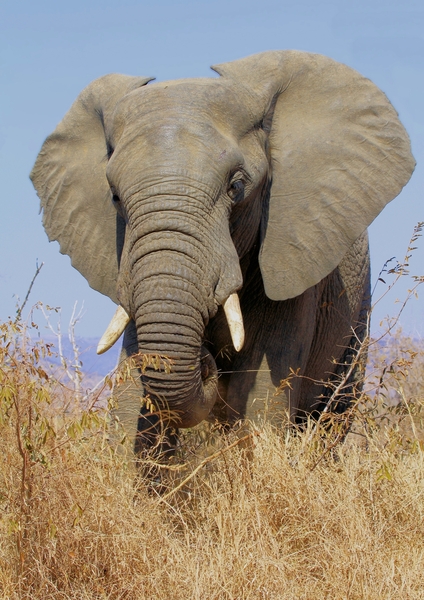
[50, 50]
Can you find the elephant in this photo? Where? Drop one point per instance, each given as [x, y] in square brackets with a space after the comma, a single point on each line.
[227, 218]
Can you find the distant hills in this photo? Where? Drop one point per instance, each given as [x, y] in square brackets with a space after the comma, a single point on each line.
[94, 367]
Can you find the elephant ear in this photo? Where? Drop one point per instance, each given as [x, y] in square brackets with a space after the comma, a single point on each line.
[339, 154]
[70, 178]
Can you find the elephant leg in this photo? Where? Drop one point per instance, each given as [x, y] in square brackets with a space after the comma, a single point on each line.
[128, 393]
[283, 336]
[253, 395]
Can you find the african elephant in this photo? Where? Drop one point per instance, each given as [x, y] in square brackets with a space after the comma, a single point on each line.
[172, 197]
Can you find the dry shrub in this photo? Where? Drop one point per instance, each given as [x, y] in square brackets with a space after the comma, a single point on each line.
[297, 516]
[396, 382]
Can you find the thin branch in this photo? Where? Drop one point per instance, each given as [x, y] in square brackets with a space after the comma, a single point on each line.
[401, 268]
[77, 378]
[74, 373]
[21, 308]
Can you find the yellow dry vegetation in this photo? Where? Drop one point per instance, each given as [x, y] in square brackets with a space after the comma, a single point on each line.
[280, 514]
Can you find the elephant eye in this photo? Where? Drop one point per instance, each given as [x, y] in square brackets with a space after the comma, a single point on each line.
[236, 190]
[116, 201]
[115, 197]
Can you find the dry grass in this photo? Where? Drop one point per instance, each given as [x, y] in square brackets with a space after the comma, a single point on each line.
[289, 519]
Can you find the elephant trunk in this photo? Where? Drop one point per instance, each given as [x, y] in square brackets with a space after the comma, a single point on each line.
[180, 376]
[171, 304]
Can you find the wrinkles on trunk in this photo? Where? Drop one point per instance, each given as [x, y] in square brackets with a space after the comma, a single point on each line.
[165, 328]
[172, 302]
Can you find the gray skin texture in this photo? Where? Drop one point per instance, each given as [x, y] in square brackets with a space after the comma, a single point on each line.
[171, 196]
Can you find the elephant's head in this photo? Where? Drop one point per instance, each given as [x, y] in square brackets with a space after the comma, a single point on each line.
[157, 191]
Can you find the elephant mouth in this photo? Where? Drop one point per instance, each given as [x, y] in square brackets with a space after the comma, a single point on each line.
[209, 374]
[208, 368]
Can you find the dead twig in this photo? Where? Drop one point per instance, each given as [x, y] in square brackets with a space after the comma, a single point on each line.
[21, 308]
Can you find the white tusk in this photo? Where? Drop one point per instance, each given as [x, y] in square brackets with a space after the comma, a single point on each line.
[235, 321]
[114, 331]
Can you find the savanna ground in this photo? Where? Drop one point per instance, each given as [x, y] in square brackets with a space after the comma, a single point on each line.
[274, 513]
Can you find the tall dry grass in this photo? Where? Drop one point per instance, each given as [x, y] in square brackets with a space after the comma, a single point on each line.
[317, 513]
[298, 516]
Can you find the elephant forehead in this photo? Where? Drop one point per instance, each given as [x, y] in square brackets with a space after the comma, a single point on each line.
[177, 130]
[196, 101]
[173, 149]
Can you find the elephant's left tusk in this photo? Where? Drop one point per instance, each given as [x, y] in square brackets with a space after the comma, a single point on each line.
[114, 331]
[235, 320]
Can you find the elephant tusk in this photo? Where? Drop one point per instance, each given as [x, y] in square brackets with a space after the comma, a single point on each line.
[114, 331]
[235, 320]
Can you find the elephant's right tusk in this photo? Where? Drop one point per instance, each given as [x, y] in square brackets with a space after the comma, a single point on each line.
[235, 320]
[114, 331]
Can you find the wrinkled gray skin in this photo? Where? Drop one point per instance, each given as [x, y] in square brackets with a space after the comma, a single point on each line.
[171, 196]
